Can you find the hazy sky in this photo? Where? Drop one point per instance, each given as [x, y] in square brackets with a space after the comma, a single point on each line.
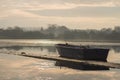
[72, 13]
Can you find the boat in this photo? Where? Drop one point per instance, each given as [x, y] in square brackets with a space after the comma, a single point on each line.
[82, 52]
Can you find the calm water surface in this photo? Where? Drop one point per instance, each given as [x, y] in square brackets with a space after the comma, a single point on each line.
[14, 67]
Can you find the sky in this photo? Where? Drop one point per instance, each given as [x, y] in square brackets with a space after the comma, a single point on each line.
[75, 14]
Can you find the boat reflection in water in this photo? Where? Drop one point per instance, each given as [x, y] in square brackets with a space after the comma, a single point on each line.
[82, 53]
[80, 66]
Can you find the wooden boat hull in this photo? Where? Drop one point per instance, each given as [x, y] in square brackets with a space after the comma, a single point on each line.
[77, 52]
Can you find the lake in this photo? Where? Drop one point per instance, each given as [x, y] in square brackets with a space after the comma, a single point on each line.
[14, 67]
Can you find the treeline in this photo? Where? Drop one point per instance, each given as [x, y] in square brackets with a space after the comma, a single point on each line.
[61, 32]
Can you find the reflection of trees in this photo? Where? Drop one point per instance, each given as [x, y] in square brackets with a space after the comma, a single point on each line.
[53, 49]
[41, 48]
[49, 48]
[115, 48]
[12, 47]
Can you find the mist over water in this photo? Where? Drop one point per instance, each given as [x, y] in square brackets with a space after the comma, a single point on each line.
[14, 67]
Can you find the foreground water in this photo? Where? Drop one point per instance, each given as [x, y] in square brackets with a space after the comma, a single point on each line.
[14, 67]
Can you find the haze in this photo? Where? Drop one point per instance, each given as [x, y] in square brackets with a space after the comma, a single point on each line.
[80, 14]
